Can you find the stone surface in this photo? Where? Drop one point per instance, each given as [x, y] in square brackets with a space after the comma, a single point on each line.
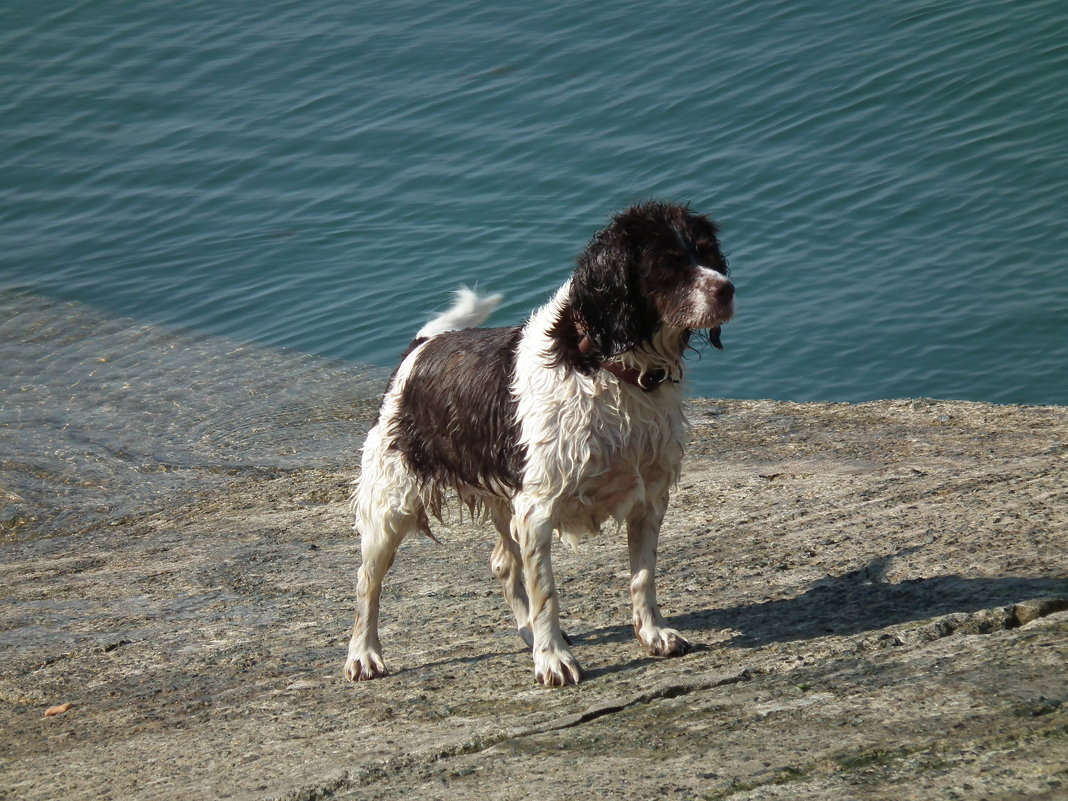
[879, 594]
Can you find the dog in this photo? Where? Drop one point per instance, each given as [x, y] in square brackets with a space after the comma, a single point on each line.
[558, 425]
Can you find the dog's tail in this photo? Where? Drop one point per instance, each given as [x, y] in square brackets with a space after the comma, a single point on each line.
[468, 310]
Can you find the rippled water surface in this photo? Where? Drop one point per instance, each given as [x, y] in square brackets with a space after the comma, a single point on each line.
[891, 181]
[104, 417]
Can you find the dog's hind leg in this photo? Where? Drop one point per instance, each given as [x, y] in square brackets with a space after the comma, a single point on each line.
[387, 508]
[506, 563]
[379, 540]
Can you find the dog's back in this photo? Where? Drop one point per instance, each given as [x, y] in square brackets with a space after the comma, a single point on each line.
[455, 423]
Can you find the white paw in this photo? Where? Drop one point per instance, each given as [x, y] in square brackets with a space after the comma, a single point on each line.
[556, 667]
[663, 642]
[363, 664]
[528, 636]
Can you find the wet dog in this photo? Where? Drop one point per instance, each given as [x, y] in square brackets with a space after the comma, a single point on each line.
[558, 425]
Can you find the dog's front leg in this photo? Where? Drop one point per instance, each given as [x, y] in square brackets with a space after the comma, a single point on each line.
[643, 533]
[554, 664]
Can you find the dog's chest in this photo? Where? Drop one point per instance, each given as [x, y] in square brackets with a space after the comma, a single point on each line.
[599, 454]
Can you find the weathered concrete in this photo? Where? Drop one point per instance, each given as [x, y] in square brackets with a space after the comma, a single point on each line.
[879, 592]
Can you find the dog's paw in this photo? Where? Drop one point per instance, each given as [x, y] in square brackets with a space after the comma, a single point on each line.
[364, 666]
[528, 637]
[556, 668]
[663, 642]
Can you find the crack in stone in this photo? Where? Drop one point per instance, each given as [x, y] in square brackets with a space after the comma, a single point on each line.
[980, 622]
[372, 773]
[666, 690]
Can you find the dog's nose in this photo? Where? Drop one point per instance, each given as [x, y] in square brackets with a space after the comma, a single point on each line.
[726, 292]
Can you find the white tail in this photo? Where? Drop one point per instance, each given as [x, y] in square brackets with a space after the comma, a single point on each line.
[468, 310]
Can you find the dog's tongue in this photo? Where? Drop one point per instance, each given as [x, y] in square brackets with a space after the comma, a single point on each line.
[713, 337]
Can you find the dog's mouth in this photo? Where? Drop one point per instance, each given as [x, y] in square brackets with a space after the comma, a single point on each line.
[713, 303]
[714, 307]
[707, 305]
[713, 315]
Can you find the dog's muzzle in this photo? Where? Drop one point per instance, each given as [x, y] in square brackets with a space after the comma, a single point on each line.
[712, 301]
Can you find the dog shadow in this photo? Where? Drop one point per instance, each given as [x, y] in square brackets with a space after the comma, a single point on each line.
[852, 603]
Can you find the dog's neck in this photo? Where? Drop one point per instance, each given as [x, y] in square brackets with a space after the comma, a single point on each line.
[634, 370]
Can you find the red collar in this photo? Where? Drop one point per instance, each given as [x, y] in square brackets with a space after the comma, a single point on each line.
[646, 382]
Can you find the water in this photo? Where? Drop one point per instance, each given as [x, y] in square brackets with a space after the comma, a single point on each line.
[105, 417]
[891, 181]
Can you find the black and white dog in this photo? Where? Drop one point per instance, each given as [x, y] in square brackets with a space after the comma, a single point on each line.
[554, 426]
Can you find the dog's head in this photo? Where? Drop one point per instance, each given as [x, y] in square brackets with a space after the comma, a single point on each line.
[656, 265]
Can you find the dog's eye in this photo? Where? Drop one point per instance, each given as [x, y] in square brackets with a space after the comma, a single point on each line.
[711, 257]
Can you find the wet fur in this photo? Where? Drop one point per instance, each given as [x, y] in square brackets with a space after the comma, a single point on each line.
[543, 429]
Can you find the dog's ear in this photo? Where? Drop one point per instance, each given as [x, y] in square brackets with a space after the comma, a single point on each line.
[606, 297]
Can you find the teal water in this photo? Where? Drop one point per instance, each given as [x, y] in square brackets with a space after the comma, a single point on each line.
[103, 417]
[891, 179]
